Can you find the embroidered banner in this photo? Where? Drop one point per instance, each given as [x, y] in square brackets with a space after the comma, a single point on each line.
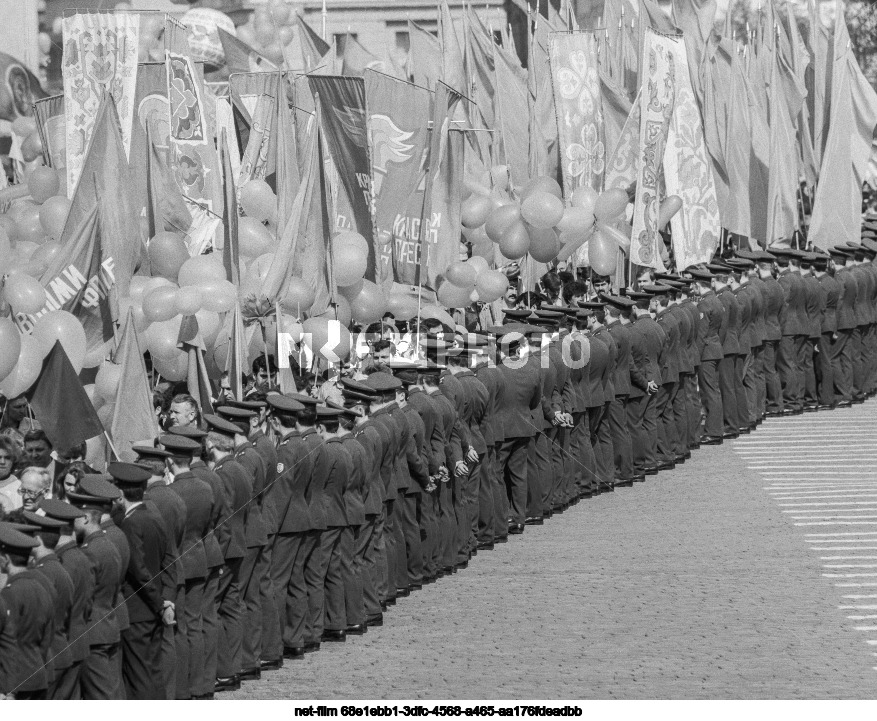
[687, 170]
[656, 102]
[579, 108]
[622, 168]
[100, 56]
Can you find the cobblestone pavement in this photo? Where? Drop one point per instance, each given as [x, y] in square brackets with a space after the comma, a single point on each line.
[714, 580]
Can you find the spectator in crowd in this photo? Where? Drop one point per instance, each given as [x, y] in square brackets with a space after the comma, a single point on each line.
[10, 499]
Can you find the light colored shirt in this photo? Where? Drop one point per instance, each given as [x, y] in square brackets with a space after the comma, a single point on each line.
[10, 498]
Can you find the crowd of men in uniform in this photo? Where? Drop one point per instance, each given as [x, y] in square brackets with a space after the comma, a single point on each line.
[246, 538]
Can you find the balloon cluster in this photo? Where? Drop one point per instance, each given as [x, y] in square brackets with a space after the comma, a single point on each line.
[270, 30]
[468, 281]
[25, 127]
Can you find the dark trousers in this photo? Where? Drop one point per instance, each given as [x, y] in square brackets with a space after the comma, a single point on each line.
[253, 569]
[500, 496]
[99, 678]
[230, 610]
[331, 614]
[824, 370]
[193, 606]
[808, 371]
[391, 548]
[288, 558]
[773, 386]
[430, 532]
[642, 422]
[486, 504]
[467, 526]
[842, 364]
[742, 362]
[141, 661]
[680, 417]
[271, 627]
[538, 474]
[710, 397]
[728, 389]
[513, 455]
[790, 373]
[175, 651]
[584, 470]
[314, 573]
[667, 429]
[601, 443]
[211, 628]
[753, 384]
[448, 523]
[66, 687]
[400, 569]
[366, 559]
[406, 507]
[380, 556]
[695, 408]
[620, 432]
[354, 605]
[562, 466]
[869, 341]
[858, 358]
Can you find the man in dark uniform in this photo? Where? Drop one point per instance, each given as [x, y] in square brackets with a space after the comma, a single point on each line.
[594, 314]
[829, 289]
[692, 402]
[45, 562]
[842, 345]
[597, 370]
[198, 500]
[746, 339]
[813, 312]
[99, 677]
[238, 487]
[712, 315]
[773, 299]
[680, 416]
[29, 606]
[148, 609]
[752, 287]
[617, 322]
[670, 362]
[794, 329]
[729, 335]
[864, 318]
[489, 484]
[81, 572]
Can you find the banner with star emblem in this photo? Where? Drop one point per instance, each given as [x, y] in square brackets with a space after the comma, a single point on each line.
[100, 56]
[579, 107]
[344, 131]
[398, 136]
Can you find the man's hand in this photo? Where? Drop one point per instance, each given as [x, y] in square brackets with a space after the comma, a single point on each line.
[443, 474]
[461, 469]
[472, 455]
[652, 388]
[168, 614]
[431, 486]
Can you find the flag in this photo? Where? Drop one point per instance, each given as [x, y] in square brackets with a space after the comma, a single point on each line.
[512, 118]
[695, 18]
[687, 171]
[133, 417]
[837, 208]
[616, 109]
[230, 254]
[191, 342]
[61, 404]
[344, 131]
[356, 59]
[782, 194]
[578, 100]
[240, 57]
[285, 378]
[656, 101]
[314, 48]
[480, 68]
[398, 120]
[453, 72]
[235, 361]
[49, 116]
[424, 56]
[286, 178]
[100, 57]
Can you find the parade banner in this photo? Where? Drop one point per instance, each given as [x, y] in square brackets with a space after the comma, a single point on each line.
[576, 81]
[240, 57]
[656, 109]
[424, 57]
[687, 172]
[314, 49]
[512, 113]
[49, 115]
[398, 120]
[624, 162]
[100, 56]
[344, 129]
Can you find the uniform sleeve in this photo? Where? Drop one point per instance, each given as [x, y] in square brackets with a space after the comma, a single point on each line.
[637, 377]
[138, 575]
[416, 467]
[437, 445]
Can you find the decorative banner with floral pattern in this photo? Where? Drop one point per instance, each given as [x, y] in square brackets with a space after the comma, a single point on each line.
[656, 107]
[687, 171]
[579, 107]
[100, 55]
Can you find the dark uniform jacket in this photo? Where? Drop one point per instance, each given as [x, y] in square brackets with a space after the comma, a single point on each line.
[645, 351]
[148, 543]
[82, 575]
[360, 464]
[268, 452]
[197, 498]
[62, 586]
[238, 487]
[830, 295]
[813, 306]
[522, 398]
[170, 509]
[103, 628]
[433, 436]
[120, 542]
[338, 463]
[846, 305]
[597, 371]
[712, 317]
[670, 362]
[695, 341]
[744, 305]
[215, 542]
[686, 338]
[8, 651]
[31, 615]
[729, 333]
[287, 495]
[774, 298]
[418, 467]
[392, 436]
[491, 378]
[368, 435]
[621, 335]
[603, 335]
[793, 316]
[314, 490]
[253, 463]
[756, 311]
[479, 397]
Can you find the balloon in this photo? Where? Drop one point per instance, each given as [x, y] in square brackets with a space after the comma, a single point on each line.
[572, 240]
[349, 262]
[59, 325]
[617, 236]
[43, 183]
[515, 241]
[10, 347]
[348, 237]
[544, 244]
[167, 253]
[452, 296]
[209, 323]
[24, 125]
[24, 294]
[602, 253]
[542, 210]
[28, 226]
[369, 306]
[384, 238]
[499, 175]
[200, 268]
[610, 205]
[24, 250]
[217, 295]
[280, 11]
[45, 254]
[576, 219]
[140, 322]
[138, 286]
[491, 285]
[480, 264]
[174, 369]
[106, 382]
[402, 306]
[188, 300]
[500, 220]
[255, 275]
[326, 338]
[486, 251]
[253, 237]
[541, 184]
[26, 370]
[351, 291]
[475, 210]
[161, 338]
[584, 198]
[299, 297]
[32, 147]
[159, 304]
[7, 223]
[53, 215]
[461, 274]
[340, 311]
[672, 204]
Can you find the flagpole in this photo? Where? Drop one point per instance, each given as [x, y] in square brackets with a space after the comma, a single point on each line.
[323, 15]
